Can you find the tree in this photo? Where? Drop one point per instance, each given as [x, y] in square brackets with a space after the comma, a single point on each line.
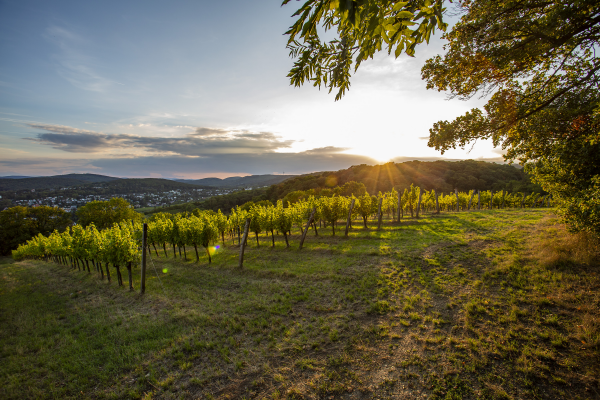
[107, 213]
[19, 224]
[364, 27]
[536, 60]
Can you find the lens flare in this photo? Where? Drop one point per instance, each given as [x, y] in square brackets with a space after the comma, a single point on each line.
[165, 270]
[213, 249]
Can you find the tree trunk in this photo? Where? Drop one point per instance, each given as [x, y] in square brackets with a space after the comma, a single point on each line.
[184, 253]
[119, 277]
[87, 264]
[273, 238]
[107, 272]
[130, 276]
[287, 244]
[156, 251]
[208, 253]
[257, 243]
[348, 223]
[165, 249]
[196, 248]
[174, 251]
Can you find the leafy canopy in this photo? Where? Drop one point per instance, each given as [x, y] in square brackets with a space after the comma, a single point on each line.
[19, 224]
[105, 214]
[364, 27]
[536, 60]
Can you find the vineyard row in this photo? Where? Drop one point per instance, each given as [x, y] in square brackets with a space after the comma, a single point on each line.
[120, 245]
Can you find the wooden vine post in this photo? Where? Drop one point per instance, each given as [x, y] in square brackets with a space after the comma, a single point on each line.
[470, 201]
[144, 240]
[457, 203]
[310, 220]
[243, 242]
[437, 203]
[419, 202]
[379, 215]
[349, 217]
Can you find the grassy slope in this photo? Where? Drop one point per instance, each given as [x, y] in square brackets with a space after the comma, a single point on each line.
[468, 305]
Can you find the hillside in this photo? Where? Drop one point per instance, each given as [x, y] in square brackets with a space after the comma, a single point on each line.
[444, 176]
[498, 304]
[51, 182]
[240, 181]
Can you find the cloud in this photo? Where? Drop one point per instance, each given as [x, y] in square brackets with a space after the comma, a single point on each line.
[326, 150]
[203, 141]
[209, 132]
[73, 64]
[191, 167]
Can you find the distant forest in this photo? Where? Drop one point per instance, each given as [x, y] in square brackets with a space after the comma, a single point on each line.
[52, 182]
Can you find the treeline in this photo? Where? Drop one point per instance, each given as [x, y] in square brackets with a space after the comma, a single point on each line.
[19, 224]
[52, 182]
[443, 176]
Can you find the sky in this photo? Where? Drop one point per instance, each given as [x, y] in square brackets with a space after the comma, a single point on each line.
[195, 89]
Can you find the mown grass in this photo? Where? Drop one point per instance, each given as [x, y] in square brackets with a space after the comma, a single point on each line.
[497, 304]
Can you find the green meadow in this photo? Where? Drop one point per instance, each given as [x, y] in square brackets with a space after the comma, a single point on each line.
[501, 304]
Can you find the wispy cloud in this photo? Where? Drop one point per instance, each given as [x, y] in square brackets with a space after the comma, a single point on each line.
[73, 64]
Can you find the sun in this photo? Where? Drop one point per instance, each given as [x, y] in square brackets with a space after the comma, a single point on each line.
[379, 153]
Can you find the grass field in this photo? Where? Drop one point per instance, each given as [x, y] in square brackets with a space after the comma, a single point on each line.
[483, 305]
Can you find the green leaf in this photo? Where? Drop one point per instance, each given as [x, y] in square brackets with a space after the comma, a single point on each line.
[404, 14]
[398, 5]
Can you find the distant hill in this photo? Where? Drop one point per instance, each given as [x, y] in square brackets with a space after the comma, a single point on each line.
[240, 181]
[443, 176]
[52, 182]
[15, 177]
